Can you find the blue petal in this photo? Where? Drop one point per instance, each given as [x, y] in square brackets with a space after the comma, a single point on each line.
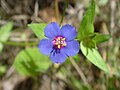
[72, 48]
[52, 30]
[45, 46]
[69, 32]
[58, 57]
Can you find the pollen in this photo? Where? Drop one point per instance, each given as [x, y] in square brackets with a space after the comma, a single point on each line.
[63, 39]
[58, 46]
[59, 38]
[59, 42]
[64, 44]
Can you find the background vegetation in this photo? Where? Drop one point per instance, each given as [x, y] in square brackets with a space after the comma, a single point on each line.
[28, 71]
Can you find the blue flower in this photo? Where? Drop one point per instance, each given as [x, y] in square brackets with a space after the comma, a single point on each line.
[59, 43]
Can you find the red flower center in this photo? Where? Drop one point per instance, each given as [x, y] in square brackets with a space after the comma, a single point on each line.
[59, 42]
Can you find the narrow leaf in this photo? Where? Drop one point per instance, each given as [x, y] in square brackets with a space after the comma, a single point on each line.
[86, 26]
[94, 57]
[38, 29]
[99, 38]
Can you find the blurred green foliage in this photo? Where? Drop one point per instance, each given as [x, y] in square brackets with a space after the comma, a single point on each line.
[30, 62]
[2, 69]
[103, 2]
[4, 34]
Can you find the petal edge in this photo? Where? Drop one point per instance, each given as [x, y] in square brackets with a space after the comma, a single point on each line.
[45, 46]
[69, 32]
[52, 30]
[72, 48]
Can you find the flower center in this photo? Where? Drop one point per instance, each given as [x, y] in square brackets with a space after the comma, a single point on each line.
[59, 42]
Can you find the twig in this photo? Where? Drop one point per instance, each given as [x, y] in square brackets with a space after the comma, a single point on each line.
[79, 71]
[112, 19]
[5, 6]
[36, 9]
[57, 10]
[9, 72]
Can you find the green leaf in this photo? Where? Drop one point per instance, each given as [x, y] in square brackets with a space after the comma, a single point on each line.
[30, 62]
[4, 33]
[88, 42]
[86, 26]
[99, 38]
[2, 69]
[94, 57]
[103, 2]
[38, 29]
[118, 39]
[1, 47]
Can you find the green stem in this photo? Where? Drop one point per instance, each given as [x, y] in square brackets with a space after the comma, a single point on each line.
[66, 5]
[22, 44]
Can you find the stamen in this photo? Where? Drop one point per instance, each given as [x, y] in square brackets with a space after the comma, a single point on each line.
[58, 38]
[56, 43]
[64, 44]
[59, 42]
[59, 46]
[63, 39]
